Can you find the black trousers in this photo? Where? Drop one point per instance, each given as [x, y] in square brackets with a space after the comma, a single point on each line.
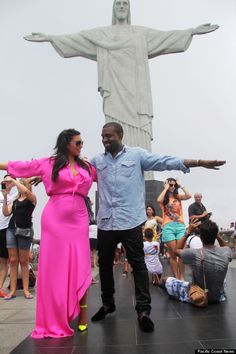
[3, 244]
[132, 240]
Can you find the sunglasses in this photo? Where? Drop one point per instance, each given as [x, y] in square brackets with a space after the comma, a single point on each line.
[171, 185]
[79, 142]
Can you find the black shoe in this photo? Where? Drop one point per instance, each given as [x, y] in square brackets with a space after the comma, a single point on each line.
[102, 312]
[145, 322]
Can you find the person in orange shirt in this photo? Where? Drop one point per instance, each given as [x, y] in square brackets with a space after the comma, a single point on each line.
[173, 227]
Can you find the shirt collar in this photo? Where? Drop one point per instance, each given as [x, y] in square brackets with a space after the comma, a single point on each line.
[123, 150]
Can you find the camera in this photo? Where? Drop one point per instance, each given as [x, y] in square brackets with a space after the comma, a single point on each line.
[3, 185]
[207, 217]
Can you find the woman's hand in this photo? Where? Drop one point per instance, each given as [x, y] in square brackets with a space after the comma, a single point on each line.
[34, 181]
[7, 182]
[9, 179]
[166, 184]
[178, 185]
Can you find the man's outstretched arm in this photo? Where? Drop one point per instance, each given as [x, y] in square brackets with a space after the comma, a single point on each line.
[154, 162]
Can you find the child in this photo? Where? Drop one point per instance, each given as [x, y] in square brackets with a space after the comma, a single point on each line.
[151, 250]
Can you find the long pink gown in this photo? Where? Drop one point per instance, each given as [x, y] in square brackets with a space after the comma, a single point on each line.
[64, 272]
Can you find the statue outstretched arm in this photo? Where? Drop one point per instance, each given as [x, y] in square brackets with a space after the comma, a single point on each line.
[67, 46]
[206, 28]
[167, 42]
[176, 41]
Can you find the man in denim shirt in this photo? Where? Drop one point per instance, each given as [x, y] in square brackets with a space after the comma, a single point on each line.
[121, 186]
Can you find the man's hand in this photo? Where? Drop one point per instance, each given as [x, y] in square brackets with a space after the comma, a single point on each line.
[206, 28]
[194, 223]
[211, 164]
[37, 37]
[34, 181]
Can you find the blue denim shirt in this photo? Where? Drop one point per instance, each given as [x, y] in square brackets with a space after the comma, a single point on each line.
[121, 185]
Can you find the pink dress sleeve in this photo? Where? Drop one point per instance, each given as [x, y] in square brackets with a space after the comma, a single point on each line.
[26, 169]
[93, 173]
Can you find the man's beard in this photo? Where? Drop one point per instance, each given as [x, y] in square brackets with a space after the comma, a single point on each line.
[113, 147]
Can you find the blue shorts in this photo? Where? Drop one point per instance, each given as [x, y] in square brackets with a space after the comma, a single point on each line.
[22, 243]
[173, 231]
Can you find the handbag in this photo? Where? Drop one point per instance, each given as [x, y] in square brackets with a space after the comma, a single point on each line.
[197, 295]
[26, 233]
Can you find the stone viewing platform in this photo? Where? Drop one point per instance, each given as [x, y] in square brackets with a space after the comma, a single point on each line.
[179, 328]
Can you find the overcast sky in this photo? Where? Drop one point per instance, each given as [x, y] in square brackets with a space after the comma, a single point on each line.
[193, 92]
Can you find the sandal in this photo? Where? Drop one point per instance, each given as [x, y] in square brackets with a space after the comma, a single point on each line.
[82, 327]
[28, 296]
[9, 297]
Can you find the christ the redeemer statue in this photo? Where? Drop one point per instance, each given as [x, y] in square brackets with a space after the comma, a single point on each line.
[122, 52]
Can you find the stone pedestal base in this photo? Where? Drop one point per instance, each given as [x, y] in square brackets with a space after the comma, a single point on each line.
[153, 189]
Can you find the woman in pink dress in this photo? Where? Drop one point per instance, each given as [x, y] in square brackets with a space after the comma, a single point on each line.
[64, 273]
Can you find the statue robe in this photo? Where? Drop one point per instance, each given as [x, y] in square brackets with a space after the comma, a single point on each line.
[122, 54]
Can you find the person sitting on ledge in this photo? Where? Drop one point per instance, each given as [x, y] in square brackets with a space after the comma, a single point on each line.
[211, 261]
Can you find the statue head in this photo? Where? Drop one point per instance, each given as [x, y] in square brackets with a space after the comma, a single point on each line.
[121, 12]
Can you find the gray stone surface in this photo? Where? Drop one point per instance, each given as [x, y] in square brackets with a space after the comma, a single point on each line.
[6, 313]
[180, 328]
[17, 318]
[11, 334]
[153, 189]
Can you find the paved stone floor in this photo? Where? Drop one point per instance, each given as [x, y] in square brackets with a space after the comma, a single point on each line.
[179, 328]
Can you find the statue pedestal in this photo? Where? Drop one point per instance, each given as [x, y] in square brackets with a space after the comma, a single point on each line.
[153, 189]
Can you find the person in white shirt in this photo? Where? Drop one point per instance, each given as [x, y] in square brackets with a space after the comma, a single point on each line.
[194, 242]
[4, 221]
[151, 251]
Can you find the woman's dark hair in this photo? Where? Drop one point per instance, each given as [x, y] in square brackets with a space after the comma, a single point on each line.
[60, 157]
[153, 209]
[176, 193]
